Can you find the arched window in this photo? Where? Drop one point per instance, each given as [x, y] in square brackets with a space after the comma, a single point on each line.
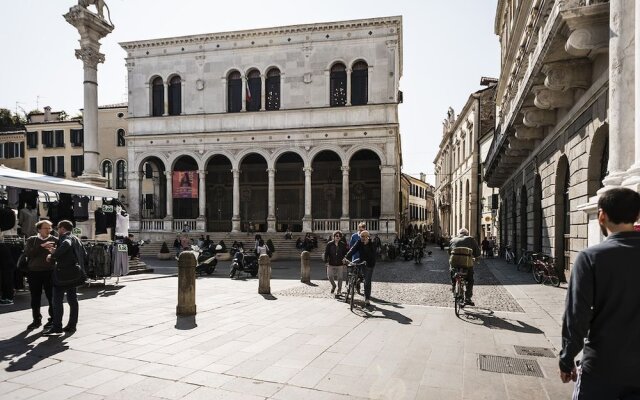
[254, 90]
[359, 83]
[121, 174]
[120, 138]
[272, 86]
[157, 97]
[107, 172]
[175, 96]
[338, 86]
[234, 92]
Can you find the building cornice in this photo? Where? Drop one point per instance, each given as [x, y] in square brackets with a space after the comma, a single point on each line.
[395, 21]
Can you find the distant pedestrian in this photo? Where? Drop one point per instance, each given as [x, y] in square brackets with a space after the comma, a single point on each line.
[333, 255]
[602, 312]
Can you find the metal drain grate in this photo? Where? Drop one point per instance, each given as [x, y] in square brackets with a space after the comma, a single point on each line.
[510, 365]
[534, 351]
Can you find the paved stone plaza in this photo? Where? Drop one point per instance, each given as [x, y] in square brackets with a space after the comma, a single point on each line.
[298, 343]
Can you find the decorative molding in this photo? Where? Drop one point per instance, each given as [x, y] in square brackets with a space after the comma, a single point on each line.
[535, 117]
[90, 56]
[548, 99]
[563, 75]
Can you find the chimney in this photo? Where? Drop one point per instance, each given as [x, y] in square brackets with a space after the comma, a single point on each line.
[423, 177]
[47, 114]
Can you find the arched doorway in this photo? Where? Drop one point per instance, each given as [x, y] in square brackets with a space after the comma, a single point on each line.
[537, 214]
[326, 186]
[562, 216]
[219, 190]
[153, 189]
[364, 185]
[254, 193]
[185, 193]
[289, 190]
[598, 160]
[523, 219]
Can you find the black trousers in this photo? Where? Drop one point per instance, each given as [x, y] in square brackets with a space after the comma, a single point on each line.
[7, 284]
[39, 281]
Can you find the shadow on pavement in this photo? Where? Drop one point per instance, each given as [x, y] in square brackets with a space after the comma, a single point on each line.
[269, 296]
[186, 323]
[21, 345]
[486, 317]
[371, 312]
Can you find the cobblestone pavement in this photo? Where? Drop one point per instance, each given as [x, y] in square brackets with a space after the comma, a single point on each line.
[428, 284]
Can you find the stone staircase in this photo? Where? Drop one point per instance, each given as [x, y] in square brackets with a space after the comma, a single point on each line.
[285, 249]
[139, 267]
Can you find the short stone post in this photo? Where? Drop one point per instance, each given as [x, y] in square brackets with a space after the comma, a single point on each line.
[186, 284]
[264, 274]
[305, 267]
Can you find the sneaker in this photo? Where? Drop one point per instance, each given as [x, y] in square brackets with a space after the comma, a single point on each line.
[337, 295]
[52, 331]
[469, 302]
[35, 324]
[6, 302]
[48, 325]
[69, 329]
[367, 303]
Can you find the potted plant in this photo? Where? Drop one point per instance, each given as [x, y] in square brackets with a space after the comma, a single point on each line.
[222, 254]
[272, 248]
[164, 253]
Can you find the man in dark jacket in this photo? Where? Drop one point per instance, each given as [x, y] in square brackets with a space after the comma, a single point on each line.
[66, 254]
[366, 252]
[464, 240]
[333, 255]
[602, 307]
[39, 276]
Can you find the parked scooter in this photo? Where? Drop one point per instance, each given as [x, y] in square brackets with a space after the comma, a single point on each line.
[243, 263]
[207, 260]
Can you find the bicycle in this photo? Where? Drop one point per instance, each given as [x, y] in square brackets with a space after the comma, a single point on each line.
[459, 289]
[526, 260]
[355, 276]
[508, 255]
[544, 271]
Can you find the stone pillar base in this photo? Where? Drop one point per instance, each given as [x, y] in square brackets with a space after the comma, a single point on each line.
[235, 225]
[344, 224]
[307, 224]
[271, 224]
[93, 179]
[201, 224]
[167, 224]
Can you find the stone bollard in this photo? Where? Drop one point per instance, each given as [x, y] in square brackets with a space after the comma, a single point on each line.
[305, 267]
[186, 284]
[264, 274]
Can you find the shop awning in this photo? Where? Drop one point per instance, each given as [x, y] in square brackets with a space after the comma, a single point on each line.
[45, 183]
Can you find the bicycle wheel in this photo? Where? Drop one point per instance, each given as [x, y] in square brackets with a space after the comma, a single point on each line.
[351, 296]
[553, 278]
[349, 287]
[536, 270]
[521, 264]
[458, 297]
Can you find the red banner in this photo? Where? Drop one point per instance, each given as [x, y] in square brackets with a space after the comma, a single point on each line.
[185, 185]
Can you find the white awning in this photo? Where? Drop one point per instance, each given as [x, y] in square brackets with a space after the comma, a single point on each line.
[45, 183]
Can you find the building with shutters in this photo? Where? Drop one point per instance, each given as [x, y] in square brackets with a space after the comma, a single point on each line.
[112, 144]
[291, 127]
[12, 147]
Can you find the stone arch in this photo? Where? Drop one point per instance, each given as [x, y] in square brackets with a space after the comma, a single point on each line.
[251, 69]
[357, 60]
[153, 185]
[333, 62]
[173, 75]
[175, 156]
[229, 70]
[598, 160]
[206, 157]
[219, 191]
[289, 188]
[237, 161]
[327, 147]
[354, 149]
[365, 182]
[140, 159]
[281, 151]
[254, 195]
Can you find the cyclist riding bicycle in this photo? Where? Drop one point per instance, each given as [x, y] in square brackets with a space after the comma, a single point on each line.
[463, 248]
[418, 243]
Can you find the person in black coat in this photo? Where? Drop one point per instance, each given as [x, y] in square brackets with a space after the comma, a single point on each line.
[367, 251]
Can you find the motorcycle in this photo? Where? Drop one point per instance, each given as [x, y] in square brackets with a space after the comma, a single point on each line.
[207, 260]
[243, 263]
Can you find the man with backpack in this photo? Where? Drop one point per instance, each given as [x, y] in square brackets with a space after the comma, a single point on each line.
[463, 247]
[68, 255]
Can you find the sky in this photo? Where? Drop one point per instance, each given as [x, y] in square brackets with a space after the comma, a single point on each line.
[448, 45]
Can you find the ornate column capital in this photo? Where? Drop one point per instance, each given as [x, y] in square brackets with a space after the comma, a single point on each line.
[235, 172]
[527, 133]
[307, 171]
[90, 56]
[548, 99]
[589, 27]
[168, 174]
[271, 171]
[535, 117]
[202, 173]
[345, 169]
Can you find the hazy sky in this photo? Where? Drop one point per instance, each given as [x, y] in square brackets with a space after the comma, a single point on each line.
[447, 46]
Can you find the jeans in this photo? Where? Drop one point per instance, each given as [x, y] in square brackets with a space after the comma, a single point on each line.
[58, 307]
[469, 279]
[332, 272]
[39, 281]
[588, 388]
[368, 275]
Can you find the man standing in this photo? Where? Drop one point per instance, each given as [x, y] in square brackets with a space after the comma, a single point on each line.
[355, 238]
[602, 307]
[464, 240]
[40, 269]
[333, 255]
[67, 254]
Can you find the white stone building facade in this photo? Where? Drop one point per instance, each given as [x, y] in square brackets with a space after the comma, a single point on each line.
[566, 122]
[292, 127]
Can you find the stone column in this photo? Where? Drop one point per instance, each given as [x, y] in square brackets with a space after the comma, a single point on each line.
[344, 218]
[271, 218]
[92, 28]
[202, 201]
[388, 195]
[244, 93]
[235, 219]
[168, 219]
[621, 91]
[263, 84]
[633, 175]
[133, 192]
[348, 86]
[165, 104]
[307, 219]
